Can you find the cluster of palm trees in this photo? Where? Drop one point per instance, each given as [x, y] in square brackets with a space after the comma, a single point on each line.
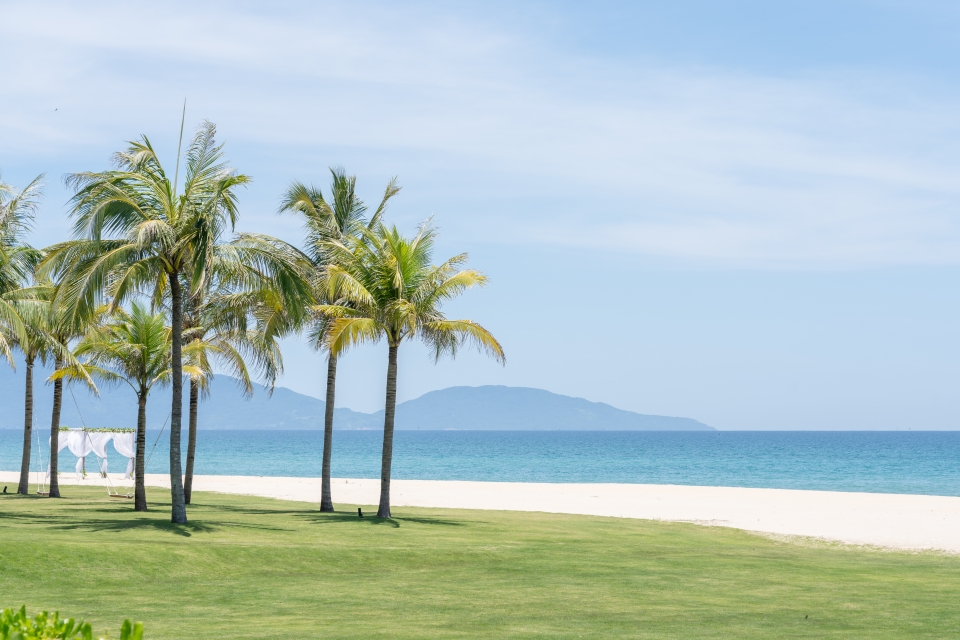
[150, 291]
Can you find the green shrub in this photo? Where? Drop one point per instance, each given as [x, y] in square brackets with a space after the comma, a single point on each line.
[15, 625]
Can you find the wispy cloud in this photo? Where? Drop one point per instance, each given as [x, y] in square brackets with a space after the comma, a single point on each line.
[838, 168]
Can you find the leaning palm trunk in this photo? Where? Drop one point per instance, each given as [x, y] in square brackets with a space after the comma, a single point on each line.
[389, 411]
[55, 434]
[24, 487]
[140, 491]
[326, 501]
[191, 441]
[178, 508]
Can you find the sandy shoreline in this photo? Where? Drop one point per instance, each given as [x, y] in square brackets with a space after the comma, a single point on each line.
[876, 519]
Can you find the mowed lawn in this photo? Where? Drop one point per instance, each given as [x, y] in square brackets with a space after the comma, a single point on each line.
[257, 568]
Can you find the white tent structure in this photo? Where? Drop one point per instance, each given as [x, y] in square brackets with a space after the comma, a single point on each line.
[83, 442]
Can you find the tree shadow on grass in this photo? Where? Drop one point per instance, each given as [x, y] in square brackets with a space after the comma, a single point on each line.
[55, 521]
[138, 524]
[132, 523]
[253, 511]
[316, 517]
[12, 495]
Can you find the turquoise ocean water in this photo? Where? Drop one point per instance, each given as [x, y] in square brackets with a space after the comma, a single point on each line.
[887, 462]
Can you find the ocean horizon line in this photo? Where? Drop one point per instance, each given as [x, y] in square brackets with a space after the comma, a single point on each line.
[875, 461]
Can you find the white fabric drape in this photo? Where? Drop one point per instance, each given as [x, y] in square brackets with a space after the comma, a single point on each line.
[98, 446]
[77, 441]
[79, 445]
[126, 445]
[98, 442]
[62, 441]
[83, 443]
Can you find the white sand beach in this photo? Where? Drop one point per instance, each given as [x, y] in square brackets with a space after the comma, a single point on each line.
[894, 521]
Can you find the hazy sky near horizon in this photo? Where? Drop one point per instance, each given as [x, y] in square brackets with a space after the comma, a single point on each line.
[746, 213]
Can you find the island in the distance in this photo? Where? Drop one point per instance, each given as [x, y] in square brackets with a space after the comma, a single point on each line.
[484, 408]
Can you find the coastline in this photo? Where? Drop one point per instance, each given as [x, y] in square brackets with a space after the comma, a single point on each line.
[892, 521]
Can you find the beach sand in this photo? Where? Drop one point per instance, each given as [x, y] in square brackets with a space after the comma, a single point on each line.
[882, 520]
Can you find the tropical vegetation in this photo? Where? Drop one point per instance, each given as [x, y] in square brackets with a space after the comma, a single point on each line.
[17, 625]
[152, 290]
[243, 277]
[20, 313]
[340, 221]
[134, 349]
[63, 329]
[17, 259]
[389, 289]
[36, 344]
[139, 232]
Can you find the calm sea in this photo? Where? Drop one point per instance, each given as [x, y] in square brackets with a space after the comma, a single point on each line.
[889, 462]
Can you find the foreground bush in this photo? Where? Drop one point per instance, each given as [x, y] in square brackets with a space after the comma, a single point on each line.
[15, 625]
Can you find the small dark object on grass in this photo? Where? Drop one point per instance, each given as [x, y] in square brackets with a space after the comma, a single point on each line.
[359, 510]
[806, 616]
[4, 488]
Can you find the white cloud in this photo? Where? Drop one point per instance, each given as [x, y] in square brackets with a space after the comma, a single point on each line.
[847, 168]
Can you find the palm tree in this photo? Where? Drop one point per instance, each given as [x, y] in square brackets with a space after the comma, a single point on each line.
[36, 346]
[392, 291]
[215, 327]
[33, 307]
[140, 233]
[17, 259]
[17, 263]
[341, 220]
[133, 348]
[253, 281]
[62, 329]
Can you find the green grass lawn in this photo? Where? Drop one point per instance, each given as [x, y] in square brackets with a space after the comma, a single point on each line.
[257, 568]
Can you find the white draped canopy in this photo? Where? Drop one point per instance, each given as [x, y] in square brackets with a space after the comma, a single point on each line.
[82, 443]
[126, 445]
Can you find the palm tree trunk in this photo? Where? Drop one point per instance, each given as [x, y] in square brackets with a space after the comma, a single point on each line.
[140, 491]
[389, 411]
[55, 433]
[24, 487]
[326, 501]
[178, 508]
[191, 441]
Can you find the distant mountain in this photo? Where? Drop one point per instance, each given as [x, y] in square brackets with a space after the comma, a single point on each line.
[463, 408]
[521, 408]
[226, 408]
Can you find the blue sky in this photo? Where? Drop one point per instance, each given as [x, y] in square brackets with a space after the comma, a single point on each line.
[741, 212]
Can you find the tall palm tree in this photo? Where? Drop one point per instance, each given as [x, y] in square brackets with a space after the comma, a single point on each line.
[17, 259]
[140, 231]
[238, 313]
[216, 328]
[340, 220]
[33, 307]
[131, 348]
[394, 292]
[62, 328]
[36, 346]
[17, 263]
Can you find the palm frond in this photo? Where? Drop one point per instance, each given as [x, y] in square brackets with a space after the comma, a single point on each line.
[348, 332]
